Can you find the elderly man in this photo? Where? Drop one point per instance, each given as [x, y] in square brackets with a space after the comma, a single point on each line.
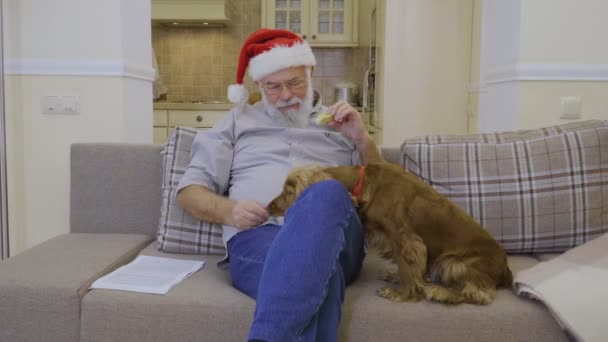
[295, 267]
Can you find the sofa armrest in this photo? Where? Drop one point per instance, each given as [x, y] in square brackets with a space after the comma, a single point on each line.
[41, 289]
[115, 188]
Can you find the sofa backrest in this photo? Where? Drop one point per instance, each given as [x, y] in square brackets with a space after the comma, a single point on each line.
[116, 187]
[392, 154]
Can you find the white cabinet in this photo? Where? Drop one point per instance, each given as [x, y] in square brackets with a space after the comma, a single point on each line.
[160, 126]
[166, 120]
[207, 13]
[322, 23]
[194, 118]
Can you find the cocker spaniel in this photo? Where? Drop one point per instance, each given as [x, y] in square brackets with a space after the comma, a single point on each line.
[441, 252]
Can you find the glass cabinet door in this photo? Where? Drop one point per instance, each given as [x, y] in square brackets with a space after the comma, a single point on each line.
[319, 22]
[331, 16]
[331, 20]
[288, 14]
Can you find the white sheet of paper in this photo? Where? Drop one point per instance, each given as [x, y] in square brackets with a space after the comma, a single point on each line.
[149, 274]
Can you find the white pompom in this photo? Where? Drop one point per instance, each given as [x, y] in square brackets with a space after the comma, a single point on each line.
[237, 93]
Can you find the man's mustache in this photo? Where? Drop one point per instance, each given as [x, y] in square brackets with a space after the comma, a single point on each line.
[287, 103]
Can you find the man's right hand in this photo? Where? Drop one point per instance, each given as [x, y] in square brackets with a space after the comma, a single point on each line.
[208, 206]
[248, 214]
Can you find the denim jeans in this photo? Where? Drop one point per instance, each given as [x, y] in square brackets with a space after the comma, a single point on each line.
[298, 272]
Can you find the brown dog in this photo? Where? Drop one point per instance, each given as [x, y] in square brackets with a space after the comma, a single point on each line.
[440, 251]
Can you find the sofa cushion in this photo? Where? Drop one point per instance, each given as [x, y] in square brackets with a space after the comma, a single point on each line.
[535, 191]
[42, 287]
[205, 307]
[115, 188]
[178, 231]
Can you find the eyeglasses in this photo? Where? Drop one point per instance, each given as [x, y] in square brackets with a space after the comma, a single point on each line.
[291, 85]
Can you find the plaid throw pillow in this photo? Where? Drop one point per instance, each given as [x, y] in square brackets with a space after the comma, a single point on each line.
[542, 190]
[178, 231]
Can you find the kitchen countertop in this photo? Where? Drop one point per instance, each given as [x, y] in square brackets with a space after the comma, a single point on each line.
[202, 106]
[193, 106]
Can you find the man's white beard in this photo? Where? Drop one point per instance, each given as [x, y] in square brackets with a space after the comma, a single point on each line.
[297, 118]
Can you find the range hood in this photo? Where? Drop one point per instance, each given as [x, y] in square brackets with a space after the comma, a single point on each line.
[203, 13]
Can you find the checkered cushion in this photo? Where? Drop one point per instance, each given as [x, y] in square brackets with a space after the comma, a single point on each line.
[178, 231]
[542, 190]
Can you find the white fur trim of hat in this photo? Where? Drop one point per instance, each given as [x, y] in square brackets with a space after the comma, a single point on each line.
[279, 58]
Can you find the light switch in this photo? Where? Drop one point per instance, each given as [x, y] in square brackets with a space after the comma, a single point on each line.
[571, 107]
[51, 104]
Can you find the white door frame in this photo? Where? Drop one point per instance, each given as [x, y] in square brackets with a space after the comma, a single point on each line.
[4, 245]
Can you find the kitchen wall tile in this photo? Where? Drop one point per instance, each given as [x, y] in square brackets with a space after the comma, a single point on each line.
[334, 70]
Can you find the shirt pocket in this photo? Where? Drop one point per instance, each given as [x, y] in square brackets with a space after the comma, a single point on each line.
[340, 140]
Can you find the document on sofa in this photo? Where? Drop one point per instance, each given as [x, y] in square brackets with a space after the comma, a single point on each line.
[574, 288]
[149, 274]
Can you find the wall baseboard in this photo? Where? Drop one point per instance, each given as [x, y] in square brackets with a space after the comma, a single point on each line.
[78, 68]
[547, 72]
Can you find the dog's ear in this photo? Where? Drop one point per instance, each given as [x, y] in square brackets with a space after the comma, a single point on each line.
[302, 179]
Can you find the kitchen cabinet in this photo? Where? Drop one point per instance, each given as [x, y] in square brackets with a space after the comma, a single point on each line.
[322, 23]
[197, 13]
[165, 120]
[160, 126]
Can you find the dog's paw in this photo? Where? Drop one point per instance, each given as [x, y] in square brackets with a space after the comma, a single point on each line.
[398, 295]
[389, 276]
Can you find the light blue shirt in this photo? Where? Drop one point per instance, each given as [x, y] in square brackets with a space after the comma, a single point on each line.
[248, 154]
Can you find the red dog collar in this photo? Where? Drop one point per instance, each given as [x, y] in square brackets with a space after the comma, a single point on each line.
[359, 186]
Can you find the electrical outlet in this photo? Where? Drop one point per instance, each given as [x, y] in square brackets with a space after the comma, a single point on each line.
[69, 104]
[571, 107]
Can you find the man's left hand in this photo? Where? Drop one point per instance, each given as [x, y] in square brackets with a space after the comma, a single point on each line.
[348, 121]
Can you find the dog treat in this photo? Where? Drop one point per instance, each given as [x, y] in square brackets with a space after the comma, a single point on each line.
[324, 118]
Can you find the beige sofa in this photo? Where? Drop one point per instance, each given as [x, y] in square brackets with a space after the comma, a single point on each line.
[115, 201]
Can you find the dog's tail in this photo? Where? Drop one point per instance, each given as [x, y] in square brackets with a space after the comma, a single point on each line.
[470, 293]
[442, 294]
[462, 280]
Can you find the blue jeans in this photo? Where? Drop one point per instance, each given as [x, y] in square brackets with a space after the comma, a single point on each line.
[298, 272]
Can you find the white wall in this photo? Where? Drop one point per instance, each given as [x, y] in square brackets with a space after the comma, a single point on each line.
[475, 86]
[564, 32]
[98, 50]
[500, 34]
[62, 29]
[426, 69]
[540, 101]
[536, 52]
[565, 40]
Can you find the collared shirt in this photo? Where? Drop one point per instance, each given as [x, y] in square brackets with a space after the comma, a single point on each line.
[248, 154]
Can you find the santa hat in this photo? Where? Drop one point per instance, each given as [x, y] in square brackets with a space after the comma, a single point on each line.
[267, 51]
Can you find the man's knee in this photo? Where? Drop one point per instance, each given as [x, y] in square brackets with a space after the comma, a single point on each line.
[328, 200]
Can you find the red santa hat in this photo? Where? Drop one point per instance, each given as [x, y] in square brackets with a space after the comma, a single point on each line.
[267, 51]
